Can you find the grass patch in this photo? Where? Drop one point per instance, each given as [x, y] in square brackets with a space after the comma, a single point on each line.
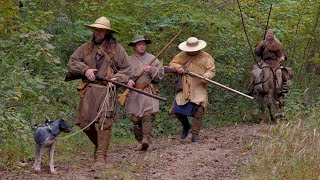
[117, 174]
[290, 151]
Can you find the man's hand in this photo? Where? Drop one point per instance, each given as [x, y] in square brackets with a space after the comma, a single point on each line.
[131, 83]
[90, 74]
[261, 44]
[203, 80]
[114, 79]
[147, 68]
[281, 59]
[180, 70]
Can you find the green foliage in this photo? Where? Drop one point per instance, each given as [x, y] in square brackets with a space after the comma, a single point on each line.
[38, 37]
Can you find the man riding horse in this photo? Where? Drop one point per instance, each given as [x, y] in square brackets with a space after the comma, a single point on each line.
[271, 52]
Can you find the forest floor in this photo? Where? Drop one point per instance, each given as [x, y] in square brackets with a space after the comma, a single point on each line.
[220, 154]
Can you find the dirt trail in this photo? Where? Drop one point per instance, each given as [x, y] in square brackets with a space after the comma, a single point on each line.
[220, 153]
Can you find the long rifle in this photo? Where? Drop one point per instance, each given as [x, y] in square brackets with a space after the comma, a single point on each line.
[266, 28]
[245, 32]
[131, 88]
[217, 84]
[173, 70]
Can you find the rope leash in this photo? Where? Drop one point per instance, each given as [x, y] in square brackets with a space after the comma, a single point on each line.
[103, 105]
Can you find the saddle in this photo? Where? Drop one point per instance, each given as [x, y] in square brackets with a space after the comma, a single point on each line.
[286, 74]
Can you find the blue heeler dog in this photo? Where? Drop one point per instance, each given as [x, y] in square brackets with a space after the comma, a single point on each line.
[45, 136]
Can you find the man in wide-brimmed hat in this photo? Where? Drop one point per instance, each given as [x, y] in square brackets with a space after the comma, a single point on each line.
[192, 98]
[101, 56]
[142, 109]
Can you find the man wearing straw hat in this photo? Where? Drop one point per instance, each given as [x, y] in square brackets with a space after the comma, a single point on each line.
[142, 109]
[101, 56]
[192, 99]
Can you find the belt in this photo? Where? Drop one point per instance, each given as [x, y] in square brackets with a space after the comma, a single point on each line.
[97, 85]
[146, 85]
[142, 85]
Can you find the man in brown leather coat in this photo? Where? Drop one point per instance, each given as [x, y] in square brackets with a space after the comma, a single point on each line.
[141, 108]
[272, 52]
[101, 56]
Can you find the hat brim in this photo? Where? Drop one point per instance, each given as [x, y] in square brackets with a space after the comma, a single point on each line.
[99, 26]
[132, 43]
[183, 46]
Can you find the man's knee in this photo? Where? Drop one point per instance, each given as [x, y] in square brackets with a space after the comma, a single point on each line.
[279, 73]
[136, 120]
[90, 128]
[150, 117]
[105, 123]
[180, 116]
[199, 112]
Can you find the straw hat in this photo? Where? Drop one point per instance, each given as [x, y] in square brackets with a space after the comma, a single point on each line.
[192, 44]
[100, 23]
[137, 39]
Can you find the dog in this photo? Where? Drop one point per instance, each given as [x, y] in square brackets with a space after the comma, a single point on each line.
[45, 136]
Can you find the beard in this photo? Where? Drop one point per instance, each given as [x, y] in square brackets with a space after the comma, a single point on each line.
[98, 40]
[271, 38]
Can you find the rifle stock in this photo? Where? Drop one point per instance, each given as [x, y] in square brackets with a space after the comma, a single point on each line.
[169, 69]
[70, 77]
[173, 70]
[123, 97]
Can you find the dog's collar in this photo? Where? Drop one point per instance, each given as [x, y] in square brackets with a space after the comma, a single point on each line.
[50, 129]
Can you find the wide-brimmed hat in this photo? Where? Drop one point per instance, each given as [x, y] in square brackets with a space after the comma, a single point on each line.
[139, 38]
[192, 44]
[100, 23]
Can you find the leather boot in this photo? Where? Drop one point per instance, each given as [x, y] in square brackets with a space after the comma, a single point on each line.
[91, 132]
[185, 125]
[104, 137]
[196, 124]
[137, 130]
[146, 131]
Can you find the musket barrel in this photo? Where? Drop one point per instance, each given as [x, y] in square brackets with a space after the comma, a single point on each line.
[131, 88]
[218, 84]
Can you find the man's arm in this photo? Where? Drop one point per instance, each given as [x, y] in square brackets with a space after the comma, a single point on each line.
[122, 63]
[259, 48]
[156, 71]
[75, 64]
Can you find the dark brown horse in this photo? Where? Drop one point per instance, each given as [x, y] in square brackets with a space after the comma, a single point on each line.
[265, 90]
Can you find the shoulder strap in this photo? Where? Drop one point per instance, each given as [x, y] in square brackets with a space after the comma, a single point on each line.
[185, 65]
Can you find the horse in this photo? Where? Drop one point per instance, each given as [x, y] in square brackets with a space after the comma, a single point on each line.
[265, 88]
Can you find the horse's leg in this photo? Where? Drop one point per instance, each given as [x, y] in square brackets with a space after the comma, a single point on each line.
[262, 108]
[271, 107]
